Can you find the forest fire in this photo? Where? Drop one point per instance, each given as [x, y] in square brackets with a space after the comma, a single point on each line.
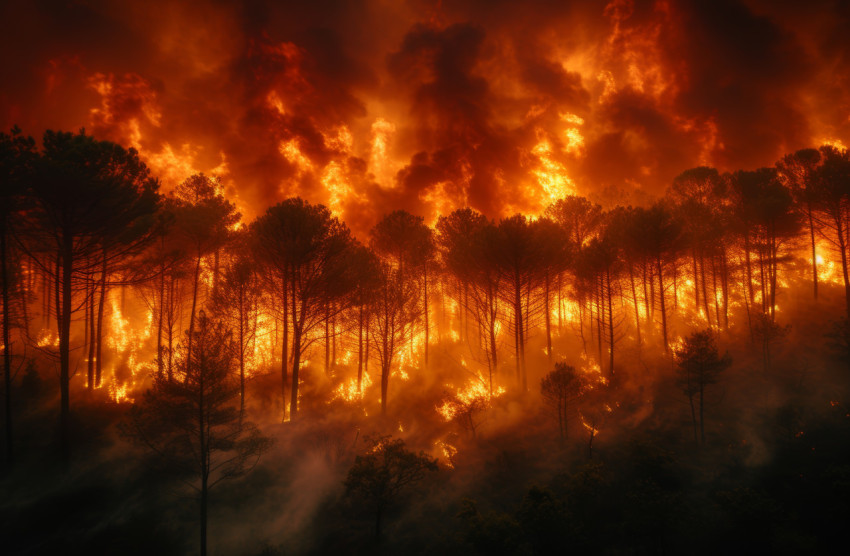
[496, 269]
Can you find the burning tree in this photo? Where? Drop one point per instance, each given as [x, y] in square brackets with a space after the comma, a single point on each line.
[466, 405]
[519, 260]
[384, 472]
[830, 199]
[395, 313]
[193, 425]
[204, 218]
[313, 252]
[699, 365]
[468, 247]
[407, 244]
[235, 301]
[95, 203]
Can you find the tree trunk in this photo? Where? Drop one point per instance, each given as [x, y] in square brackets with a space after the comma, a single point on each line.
[385, 383]
[296, 364]
[99, 335]
[635, 302]
[90, 324]
[548, 318]
[204, 454]
[172, 308]
[704, 288]
[327, 339]
[64, 321]
[696, 279]
[610, 327]
[242, 317]
[360, 350]
[714, 289]
[842, 245]
[195, 279]
[427, 320]
[7, 348]
[814, 251]
[600, 319]
[663, 308]
[724, 266]
[749, 267]
[159, 362]
[520, 335]
[297, 324]
[284, 354]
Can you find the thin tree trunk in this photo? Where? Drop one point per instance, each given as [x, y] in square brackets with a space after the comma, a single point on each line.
[696, 279]
[842, 245]
[64, 321]
[99, 335]
[284, 354]
[663, 308]
[724, 265]
[297, 324]
[159, 362]
[548, 318]
[520, 334]
[360, 350]
[242, 317]
[90, 324]
[704, 288]
[204, 448]
[714, 288]
[195, 279]
[7, 349]
[610, 326]
[327, 339]
[635, 302]
[427, 319]
[814, 251]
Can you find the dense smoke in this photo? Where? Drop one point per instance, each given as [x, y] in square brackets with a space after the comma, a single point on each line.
[500, 106]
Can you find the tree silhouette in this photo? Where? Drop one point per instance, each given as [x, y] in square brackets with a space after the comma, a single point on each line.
[830, 197]
[555, 254]
[661, 233]
[91, 198]
[236, 302]
[519, 260]
[560, 389]
[463, 249]
[796, 170]
[384, 472]
[404, 241]
[17, 154]
[315, 251]
[193, 425]
[395, 313]
[204, 217]
[698, 196]
[698, 366]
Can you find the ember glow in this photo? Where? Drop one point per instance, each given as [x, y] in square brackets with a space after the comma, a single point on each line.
[462, 248]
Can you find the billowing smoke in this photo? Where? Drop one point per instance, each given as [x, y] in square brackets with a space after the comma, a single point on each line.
[370, 107]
